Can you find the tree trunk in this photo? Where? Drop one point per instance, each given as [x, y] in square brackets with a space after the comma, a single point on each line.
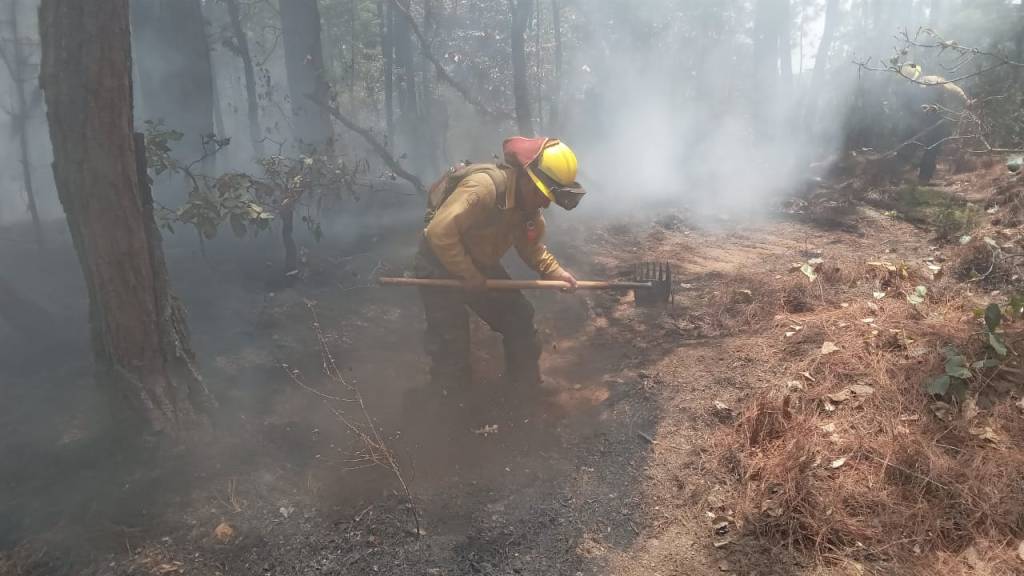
[386, 16]
[140, 340]
[785, 48]
[304, 64]
[17, 66]
[554, 117]
[402, 36]
[521, 10]
[172, 56]
[539, 70]
[291, 252]
[251, 100]
[821, 63]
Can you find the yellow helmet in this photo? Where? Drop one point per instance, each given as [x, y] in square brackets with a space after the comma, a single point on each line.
[554, 173]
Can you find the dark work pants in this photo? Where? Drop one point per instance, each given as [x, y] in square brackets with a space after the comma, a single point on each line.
[507, 312]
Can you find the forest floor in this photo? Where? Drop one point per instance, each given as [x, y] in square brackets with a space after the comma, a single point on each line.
[649, 450]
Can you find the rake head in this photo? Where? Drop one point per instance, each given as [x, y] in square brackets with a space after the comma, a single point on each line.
[659, 275]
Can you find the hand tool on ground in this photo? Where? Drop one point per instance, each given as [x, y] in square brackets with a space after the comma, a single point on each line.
[651, 284]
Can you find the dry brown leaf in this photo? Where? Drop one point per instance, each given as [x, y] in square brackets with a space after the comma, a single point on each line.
[942, 411]
[224, 532]
[985, 433]
[855, 391]
[970, 408]
[771, 508]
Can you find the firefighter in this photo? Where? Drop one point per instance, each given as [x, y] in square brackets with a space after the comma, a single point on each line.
[476, 213]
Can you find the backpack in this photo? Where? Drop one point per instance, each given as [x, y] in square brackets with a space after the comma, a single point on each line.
[440, 190]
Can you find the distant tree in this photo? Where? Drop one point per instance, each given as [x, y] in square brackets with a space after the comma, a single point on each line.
[172, 61]
[22, 71]
[239, 45]
[139, 334]
[304, 66]
[521, 12]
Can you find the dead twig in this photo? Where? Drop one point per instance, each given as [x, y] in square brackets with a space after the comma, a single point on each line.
[377, 451]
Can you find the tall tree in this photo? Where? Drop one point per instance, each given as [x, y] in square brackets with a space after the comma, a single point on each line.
[139, 336]
[172, 57]
[821, 62]
[240, 46]
[386, 16]
[304, 66]
[22, 73]
[556, 82]
[521, 11]
[307, 85]
[784, 31]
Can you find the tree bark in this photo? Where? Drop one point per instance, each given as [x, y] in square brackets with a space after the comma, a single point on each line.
[17, 67]
[387, 47]
[402, 36]
[251, 99]
[304, 65]
[139, 336]
[521, 10]
[784, 30]
[821, 62]
[554, 116]
[291, 252]
[172, 57]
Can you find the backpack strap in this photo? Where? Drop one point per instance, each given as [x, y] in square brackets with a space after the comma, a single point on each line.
[441, 190]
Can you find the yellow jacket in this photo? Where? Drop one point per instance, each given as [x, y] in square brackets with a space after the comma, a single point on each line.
[479, 222]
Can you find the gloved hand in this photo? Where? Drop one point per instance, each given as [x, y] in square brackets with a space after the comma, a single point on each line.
[564, 276]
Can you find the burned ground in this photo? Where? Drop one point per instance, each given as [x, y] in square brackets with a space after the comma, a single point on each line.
[689, 440]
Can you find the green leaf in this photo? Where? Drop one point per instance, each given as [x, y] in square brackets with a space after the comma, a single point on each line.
[989, 363]
[918, 295]
[939, 385]
[957, 389]
[808, 271]
[1015, 309]
[997, 344]
[961, 372]
[993, 317]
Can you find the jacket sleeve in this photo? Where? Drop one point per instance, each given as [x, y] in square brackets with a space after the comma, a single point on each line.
[534, 253]
[444, 233]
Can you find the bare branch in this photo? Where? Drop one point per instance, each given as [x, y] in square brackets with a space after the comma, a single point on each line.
[443, 74]
[370, 139]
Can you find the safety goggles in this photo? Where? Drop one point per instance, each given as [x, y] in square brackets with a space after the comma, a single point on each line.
[567, 197]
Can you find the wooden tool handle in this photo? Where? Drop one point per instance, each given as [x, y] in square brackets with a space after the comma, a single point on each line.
[513, 284]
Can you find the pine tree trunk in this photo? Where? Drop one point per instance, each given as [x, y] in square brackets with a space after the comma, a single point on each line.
[556, 83]
[17, 66]
[386, 15]
[821, 63]
[251, 100]
[304, 64]
[291, 252]
[140, 340]
[172, 57]
[785, 48]
[521, 10]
